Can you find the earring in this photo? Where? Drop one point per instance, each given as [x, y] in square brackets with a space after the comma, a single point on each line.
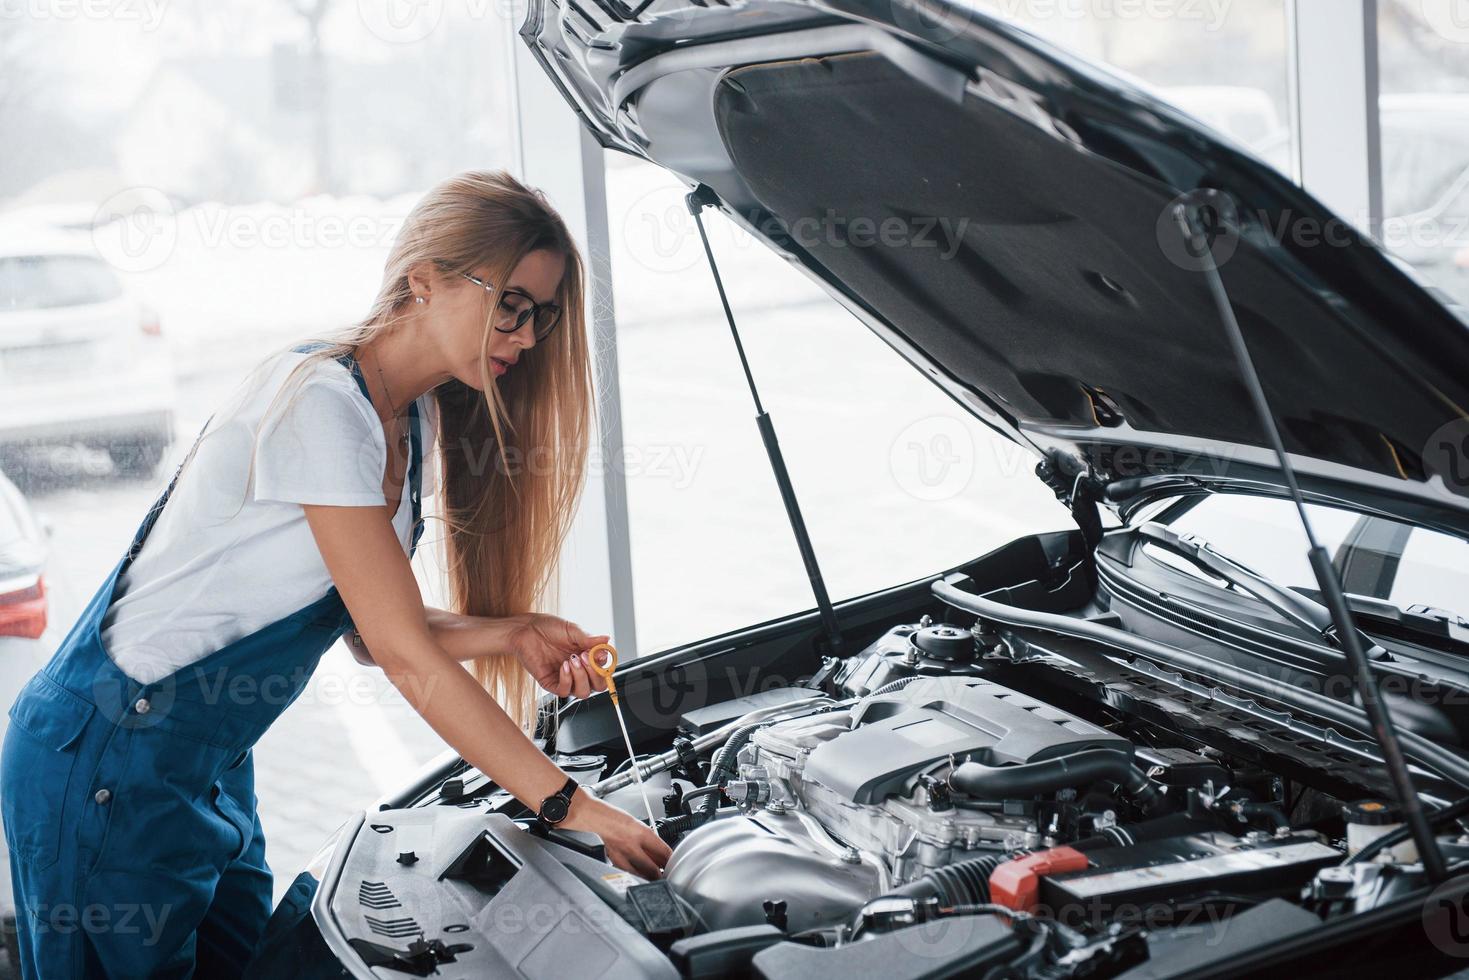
[418, 299]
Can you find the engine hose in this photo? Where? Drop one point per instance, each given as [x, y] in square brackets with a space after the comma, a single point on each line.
[696, 793]
[963, 888]
[1248, 809]
[961, 883]
[968, 882]
[650, 765]
[1144, 792]
[670, 828]
[1128, 834]
[723, 766]
[1077, 769]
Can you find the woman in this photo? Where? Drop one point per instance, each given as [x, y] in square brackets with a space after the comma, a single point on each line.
[127, 788]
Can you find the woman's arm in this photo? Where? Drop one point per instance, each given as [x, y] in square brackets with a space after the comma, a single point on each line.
[461, 637]
[375, 580]
[543, 643]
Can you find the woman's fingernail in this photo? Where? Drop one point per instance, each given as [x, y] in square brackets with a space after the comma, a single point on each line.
[565, 666]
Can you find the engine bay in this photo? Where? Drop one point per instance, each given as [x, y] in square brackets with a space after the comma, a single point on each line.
[939, 794]
[909, 811]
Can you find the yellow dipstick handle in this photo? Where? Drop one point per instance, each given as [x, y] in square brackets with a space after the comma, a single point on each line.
[605, 670]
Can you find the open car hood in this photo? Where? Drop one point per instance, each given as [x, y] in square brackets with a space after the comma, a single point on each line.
[1001, 213]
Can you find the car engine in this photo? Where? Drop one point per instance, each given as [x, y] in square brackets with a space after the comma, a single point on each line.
[913, 814]
[924, 788]
[845, 803]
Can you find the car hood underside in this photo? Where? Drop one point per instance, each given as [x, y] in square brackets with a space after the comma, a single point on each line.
[1001, 214]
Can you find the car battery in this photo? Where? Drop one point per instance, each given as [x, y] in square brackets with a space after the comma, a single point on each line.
[1185, 870]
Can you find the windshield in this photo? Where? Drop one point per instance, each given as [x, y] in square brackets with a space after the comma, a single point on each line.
[1376, 558]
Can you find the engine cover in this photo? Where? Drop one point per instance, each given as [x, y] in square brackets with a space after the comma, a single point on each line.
[835, 811]
[898, 735]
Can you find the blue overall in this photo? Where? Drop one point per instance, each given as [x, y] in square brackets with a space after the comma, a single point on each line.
[129, 808]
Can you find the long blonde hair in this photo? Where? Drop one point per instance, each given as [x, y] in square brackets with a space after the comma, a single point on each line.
[512, 458]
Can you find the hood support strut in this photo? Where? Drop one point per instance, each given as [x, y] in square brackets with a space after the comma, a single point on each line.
[697, 200]
[1198, 221]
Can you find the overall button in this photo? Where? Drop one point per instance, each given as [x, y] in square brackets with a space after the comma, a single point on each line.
[142, 706]
[102, 796]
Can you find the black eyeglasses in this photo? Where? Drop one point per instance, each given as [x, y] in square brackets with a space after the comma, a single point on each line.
[515, 303]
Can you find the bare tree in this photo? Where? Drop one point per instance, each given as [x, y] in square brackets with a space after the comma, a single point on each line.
[1428, 56]
[312, 13]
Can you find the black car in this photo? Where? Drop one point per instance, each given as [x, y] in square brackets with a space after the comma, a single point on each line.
[1179, 740]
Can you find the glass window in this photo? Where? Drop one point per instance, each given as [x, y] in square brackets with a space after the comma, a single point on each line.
[1264, 534]
[895, 480]
[241, 169]
[1434, 571]
[237, 172]
[1423, 54]
[1224, 63]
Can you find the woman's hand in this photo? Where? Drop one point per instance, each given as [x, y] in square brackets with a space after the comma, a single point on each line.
[631, 844]
[367, 563]
[553, 651]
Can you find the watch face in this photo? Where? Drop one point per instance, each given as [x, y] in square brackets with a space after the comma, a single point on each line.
[553, 809]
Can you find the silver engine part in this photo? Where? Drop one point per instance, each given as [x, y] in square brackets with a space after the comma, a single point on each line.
[728, 869]
[835, 810]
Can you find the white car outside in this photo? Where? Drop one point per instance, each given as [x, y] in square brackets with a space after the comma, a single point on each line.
[81, 359]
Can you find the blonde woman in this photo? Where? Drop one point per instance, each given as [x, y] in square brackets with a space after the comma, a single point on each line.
[127, 787]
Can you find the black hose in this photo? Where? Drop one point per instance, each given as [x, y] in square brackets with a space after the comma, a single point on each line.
[965, 885]
[961, 883]
[1158, 828]
[1067, 771]
[699, 791]
[723, 766]
[671, 827]
[1249, 808]
[1144, 792]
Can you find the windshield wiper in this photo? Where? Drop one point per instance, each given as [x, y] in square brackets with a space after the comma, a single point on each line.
[1199, 220]
[1417, 620]
[1305, 612]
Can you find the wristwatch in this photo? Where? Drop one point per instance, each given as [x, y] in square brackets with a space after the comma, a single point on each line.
[555, 807]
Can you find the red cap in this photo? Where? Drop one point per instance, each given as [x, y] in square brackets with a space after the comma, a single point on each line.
[1017, 884]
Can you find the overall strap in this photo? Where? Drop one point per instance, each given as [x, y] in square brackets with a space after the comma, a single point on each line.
[414, 466]
[151, 517]
[415, 480]
[351, 364]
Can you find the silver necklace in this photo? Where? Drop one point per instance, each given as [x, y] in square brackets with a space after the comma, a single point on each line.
[397, 413]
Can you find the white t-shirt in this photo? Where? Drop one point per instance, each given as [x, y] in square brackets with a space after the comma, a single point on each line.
[231, 551]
